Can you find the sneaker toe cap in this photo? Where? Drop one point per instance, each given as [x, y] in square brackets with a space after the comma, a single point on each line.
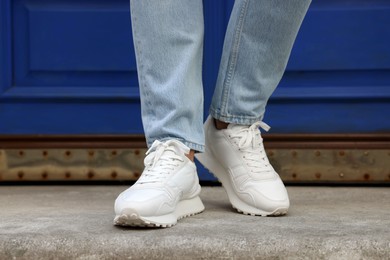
[268, 195]
[144, 202]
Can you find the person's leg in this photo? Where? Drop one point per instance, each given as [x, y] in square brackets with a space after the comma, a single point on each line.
[168, 40]
[258, 42]
[257, 45]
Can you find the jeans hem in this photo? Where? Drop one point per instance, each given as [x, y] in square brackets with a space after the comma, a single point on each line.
[235, 119]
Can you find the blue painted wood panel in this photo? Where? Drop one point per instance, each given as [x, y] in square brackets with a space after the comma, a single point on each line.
[68, 67]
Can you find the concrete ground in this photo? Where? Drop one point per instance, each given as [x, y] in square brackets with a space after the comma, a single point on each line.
[75, 222]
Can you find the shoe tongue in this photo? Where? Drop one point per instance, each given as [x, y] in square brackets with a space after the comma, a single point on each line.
[177, 147]
[170, 151]
[235, 127]
[248, 136]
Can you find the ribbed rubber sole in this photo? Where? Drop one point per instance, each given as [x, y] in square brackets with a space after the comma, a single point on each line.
[211, 163]
[184, 208]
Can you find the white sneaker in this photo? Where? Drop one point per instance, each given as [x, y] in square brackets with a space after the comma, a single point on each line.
[167, 190]
[237, 158]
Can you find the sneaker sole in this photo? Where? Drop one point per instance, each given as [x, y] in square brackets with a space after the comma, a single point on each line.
[211, 163]
[184, 208]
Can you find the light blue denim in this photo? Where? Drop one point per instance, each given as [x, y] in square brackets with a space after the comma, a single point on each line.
[168, 39]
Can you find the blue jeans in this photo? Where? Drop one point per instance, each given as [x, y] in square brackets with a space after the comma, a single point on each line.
[168, 40]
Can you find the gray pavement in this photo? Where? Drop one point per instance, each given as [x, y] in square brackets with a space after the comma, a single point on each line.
[75, 222]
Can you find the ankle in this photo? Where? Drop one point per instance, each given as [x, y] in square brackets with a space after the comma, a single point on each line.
[220, 124]
[191, 155]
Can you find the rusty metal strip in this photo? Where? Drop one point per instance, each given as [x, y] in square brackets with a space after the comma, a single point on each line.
[293, 165]
[337, 158]
[70, 164]
[331, 165]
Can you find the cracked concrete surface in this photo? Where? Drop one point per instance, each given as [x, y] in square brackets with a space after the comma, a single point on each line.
[75, 222]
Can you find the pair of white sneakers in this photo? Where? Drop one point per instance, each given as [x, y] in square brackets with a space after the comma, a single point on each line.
[168, 188]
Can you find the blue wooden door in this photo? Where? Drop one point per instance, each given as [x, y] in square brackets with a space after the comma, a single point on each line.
[68, 67]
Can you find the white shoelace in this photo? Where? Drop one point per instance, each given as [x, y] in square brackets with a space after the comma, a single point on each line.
[250, 142]
[161, 160]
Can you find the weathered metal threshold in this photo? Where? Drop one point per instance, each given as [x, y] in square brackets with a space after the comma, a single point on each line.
[299, 158]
